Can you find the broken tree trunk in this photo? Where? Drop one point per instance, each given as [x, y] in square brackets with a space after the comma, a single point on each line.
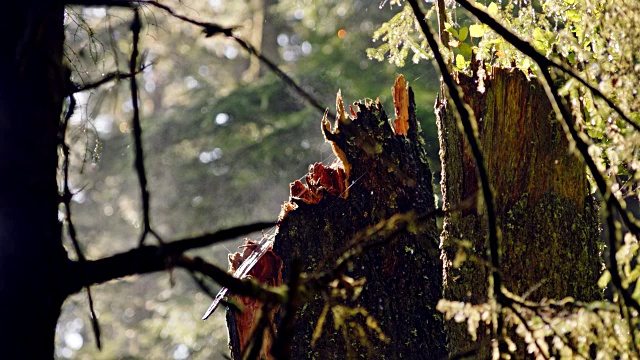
[383, 304]
[549, 223]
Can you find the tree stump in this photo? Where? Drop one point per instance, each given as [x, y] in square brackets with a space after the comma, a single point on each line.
[549, 223]
[381, 170]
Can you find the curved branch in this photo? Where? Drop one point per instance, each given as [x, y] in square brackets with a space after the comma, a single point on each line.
[147, 259]
[613, 204]
[467, 119]
[116, 75]
[211, 29]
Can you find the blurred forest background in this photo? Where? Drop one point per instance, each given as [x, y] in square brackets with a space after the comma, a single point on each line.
[223, 138]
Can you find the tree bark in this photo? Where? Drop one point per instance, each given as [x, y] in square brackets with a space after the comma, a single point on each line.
[32, 259]
[381, 170]
[549, 223]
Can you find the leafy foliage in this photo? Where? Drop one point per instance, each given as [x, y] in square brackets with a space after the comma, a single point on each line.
[599, 41]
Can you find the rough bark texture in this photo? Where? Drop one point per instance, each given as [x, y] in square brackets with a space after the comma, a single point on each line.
[386, 173]
[32, 258]
[549, 224]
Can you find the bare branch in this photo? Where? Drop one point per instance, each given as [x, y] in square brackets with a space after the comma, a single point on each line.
[137, 129]
[116, 75]
[466, 117]
[240, 287]
[147, 259]
[287, 80]
[66, 199]
[211, 29]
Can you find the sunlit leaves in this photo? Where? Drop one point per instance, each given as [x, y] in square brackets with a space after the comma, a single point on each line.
[492, 9]
[598, 39]
[399, 37]
[477, 30]
[460, 62]
[464, 32]
[461, 312]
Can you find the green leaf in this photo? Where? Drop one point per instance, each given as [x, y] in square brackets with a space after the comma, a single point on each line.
[476, 30]
[493, 9]
[604, 279]
[465, 50]
[460, 62]
[540, 41]
[463, 33]
[538, 34]
[574, 16]
[450, 29]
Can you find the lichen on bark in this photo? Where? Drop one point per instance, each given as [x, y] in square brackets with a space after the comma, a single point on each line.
[548, 222]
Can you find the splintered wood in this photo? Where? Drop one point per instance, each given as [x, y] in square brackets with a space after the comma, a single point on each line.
[401, 104]
[265, 267]
[319, 181]
[241, 265]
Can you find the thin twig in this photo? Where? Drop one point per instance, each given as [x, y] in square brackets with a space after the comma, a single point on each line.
[523, 321]
[95, 324]
[241, 287]
[467, 119]
[116, 75]
[211, 29]
[441, 10]
[66, 197]
[137, 129]
[284, 77]
[612, 203]
[468, 353]
[201, 284]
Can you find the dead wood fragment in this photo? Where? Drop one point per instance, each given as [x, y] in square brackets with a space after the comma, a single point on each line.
[400, 91]
[242, 325]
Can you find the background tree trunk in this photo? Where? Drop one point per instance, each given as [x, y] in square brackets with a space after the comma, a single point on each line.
[549, 223]
[386, 173]
[32, 258]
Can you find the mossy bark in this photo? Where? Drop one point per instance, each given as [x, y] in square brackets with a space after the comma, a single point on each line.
[387, 173]
[549, 223]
